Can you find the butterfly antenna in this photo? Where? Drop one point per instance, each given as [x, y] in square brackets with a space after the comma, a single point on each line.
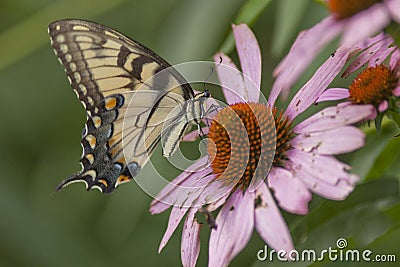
[208, 77]
[212, 107]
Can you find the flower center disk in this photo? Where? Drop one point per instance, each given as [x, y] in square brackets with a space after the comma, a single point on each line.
[243, 143]
[373, 85]
[347, 8]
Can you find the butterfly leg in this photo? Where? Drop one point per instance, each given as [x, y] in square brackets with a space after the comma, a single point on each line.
[210, 110]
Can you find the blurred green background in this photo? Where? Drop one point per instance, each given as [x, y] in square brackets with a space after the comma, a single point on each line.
[41, 124]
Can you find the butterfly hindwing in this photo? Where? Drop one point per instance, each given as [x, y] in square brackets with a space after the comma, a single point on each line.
[108, 72]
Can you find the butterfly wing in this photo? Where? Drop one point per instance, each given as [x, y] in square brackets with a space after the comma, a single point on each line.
[108, 73]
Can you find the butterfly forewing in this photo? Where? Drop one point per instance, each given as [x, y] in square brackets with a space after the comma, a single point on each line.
[106, 71]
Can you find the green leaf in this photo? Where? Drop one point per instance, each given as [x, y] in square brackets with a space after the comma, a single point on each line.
[395, 116]
[394, 213]
[388, 245]
[364, 194]
[248, 14]
[387, 157]
[363, 159]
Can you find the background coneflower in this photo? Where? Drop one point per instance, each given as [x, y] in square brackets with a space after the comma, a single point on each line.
[355, 20]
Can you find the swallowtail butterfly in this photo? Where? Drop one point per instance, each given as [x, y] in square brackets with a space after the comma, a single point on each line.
[114, 78]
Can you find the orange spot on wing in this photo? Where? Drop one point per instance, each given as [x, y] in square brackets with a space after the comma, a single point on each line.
[121, 160]
[104, 182]
[111, 103]
[90, 158]
[123, 179]
[91, 140]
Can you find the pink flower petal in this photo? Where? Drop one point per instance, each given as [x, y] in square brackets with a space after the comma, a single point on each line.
[365, 23]
[395, 59]
[306, 47]
[292, 195]
[396, 91]
[235, 224]
[187, 193]
[214, 192]
[158, 207]
[332, 142]
[394, 7]
[318, 83]
[373, 115]
[183, 183]
[378, 44]
[338, 191]
[333, 94]
[269, 221]
[250, 59]
[365, 43]
[190, 244]
[325, 168]
[231, 80]
[193, 135]
[383, 106]
[334, 117]
[175, 218]
[217, 203]
[379, 57]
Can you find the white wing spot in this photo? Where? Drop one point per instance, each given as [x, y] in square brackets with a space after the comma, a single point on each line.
[84, 105]
[60, 38]
[83, 89]
[90, 100]
[98, 188]
[58, 27]
[80, 28]
[68, 57]
[77, 77]
[64, 48]
[72, 66]
[96, 121]
[91, 173]
[77, 93]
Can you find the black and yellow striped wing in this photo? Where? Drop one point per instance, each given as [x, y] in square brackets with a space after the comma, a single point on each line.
[108, 73]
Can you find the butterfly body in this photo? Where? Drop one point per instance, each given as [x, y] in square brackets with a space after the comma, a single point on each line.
[132, 97]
